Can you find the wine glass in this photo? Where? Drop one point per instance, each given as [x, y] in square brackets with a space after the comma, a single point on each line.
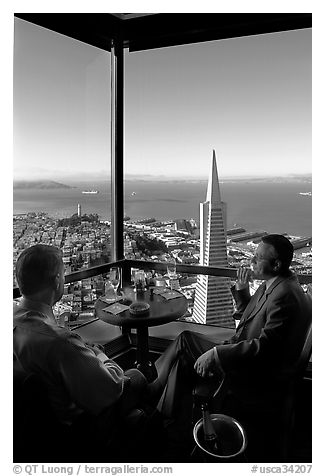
[171, 269]
[115, 277]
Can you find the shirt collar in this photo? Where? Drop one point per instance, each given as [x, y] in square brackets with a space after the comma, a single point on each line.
[40, 307]
[270, 281]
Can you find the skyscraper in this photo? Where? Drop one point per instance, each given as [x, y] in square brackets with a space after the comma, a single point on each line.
[213, 301]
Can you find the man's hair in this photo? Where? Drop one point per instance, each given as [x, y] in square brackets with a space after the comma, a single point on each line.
[283, 248]
[37, 267]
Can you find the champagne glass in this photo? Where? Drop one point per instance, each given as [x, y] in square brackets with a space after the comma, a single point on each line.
[133, 274]
[171, 269]
[109, 290]
[115, 277]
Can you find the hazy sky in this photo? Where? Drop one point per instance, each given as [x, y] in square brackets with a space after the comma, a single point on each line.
[247, 98]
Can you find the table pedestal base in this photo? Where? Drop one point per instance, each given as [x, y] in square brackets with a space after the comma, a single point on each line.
[143, 363]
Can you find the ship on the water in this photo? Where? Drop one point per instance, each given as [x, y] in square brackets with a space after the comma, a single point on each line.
[308, 194]
[90, 192]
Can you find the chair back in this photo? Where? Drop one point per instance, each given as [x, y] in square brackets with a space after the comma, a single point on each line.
[36, 430]
[299, 365]
[287, 413]
[307, 347]
[39, 436]
[305, 354]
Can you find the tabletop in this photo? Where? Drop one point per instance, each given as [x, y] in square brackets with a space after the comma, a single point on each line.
[161, 310]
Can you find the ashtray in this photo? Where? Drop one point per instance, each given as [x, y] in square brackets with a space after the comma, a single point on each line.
[139, 308]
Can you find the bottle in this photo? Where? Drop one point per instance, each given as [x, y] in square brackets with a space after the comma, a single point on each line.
[140, 282]
[210, 437]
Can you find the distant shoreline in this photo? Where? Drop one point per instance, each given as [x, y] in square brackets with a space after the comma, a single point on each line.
[72, 182]
[39, 185]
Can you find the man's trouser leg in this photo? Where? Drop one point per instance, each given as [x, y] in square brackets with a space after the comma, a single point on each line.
[134, 392]
[175, 369]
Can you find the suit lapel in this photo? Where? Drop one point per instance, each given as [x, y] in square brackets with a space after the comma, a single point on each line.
[251, 306]
[256, 304]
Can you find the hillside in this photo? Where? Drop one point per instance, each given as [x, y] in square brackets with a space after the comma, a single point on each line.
[38, 184]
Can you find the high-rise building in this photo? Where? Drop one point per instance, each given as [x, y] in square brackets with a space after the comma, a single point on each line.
[213, 302]
[79, 210]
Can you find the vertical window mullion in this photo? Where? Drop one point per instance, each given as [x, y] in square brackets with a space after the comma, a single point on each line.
[117, 138]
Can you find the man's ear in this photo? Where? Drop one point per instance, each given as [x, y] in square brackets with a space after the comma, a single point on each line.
[57, 281]
[277, 265]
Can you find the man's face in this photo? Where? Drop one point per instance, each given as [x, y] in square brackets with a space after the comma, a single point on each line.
[262, 263]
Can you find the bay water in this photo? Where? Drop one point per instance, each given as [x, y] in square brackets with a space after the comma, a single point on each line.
[273, 207]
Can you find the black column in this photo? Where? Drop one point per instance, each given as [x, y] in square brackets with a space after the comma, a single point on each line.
[117, 138]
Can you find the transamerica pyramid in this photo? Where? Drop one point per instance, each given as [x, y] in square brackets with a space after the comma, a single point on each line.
[213, 302]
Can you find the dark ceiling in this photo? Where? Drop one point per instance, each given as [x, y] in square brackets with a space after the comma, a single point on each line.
[147, 31]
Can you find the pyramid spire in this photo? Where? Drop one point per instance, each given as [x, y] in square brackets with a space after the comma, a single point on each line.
[213, 300]
[213, 191]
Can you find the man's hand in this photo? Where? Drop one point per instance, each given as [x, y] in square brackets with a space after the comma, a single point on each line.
[205, 366]
[243, 277]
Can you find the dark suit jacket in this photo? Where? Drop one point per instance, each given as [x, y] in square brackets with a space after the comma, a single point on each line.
[269, 337]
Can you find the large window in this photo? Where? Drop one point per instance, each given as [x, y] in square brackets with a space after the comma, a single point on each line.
[245, 101]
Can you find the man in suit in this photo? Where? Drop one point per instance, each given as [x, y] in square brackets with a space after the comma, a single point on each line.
[268, 340]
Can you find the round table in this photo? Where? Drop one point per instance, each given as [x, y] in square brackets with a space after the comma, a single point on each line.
[161, 311]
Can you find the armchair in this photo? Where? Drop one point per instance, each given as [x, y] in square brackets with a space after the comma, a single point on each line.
[39, 436]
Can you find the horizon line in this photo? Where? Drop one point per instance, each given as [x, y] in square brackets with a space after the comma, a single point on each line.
[161, 177]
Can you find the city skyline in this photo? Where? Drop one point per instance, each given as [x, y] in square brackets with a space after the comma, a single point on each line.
[248, 98]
